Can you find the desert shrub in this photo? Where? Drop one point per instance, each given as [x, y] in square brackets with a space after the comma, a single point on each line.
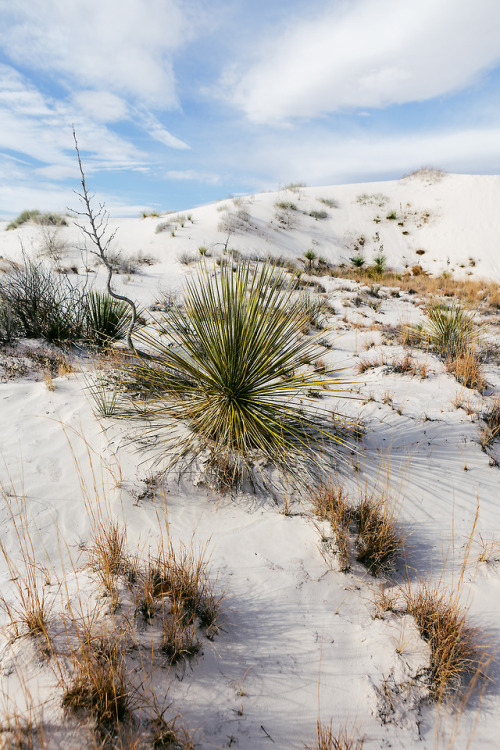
[391, 216]
[228, 368]
[47, 219]
[106, 319]
[44, 304]
[330, 202]
[319, 214]
[163, 226]
[450, 329]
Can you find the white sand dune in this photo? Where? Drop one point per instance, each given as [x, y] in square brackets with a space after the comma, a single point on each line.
[298, 639]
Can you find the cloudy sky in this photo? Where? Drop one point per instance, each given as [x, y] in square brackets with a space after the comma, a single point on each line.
[181, 102]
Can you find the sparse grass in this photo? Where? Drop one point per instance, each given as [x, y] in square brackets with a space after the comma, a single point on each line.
[30, 613]
[456, 648]
[233, 375]
[318, 215]
[379, 538]
[47, 219]
[491, 416]
[107, 553]
[98, 682]
[331, 504]
[366, 363]
[370, 522]
[467, 370]
[330, 202]
[345, 739]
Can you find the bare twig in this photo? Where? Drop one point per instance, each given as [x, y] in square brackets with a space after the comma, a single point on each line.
[98, 220]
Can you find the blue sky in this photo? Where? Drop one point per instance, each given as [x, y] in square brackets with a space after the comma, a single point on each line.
[182, 102]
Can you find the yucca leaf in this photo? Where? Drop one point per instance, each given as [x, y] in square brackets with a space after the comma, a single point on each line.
[228, 371]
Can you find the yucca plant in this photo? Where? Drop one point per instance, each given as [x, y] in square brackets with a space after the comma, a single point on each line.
[228, 371]
[107, 318]
[450, 329]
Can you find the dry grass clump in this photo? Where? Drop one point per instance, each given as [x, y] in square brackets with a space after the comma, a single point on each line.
[492, 419]
[467, 370]
[480, 293]
[98, 683]
[345, 739]
[331, 504]
[456, 648]
[107, 554]
[30, 614]
[367, 529]
[366, 363]
[379, 539]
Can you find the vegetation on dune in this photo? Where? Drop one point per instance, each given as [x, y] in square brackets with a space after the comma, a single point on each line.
[229, 366]
[46, 219]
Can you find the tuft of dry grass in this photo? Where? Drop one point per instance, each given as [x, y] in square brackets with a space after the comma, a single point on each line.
[331, 504]
[371, 522]
[345, 739]
[467, 369]
[379, 538]
[456, 648]
[492, 419]
[366, 363]
[107, 554]
[98, 682]
[31, 610]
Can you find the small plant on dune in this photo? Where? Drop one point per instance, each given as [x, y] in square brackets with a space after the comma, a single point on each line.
[330, 202]
[449, 329]
[310, 257]
[371, 523]
[452, 331]
[107, 319]
[331, 504]
[456, 648]
[97, 683]
[344, 739]
[379, 539]
[357, 261]
[318, 215]
[47, 219]
[380, 263]
[225, 378]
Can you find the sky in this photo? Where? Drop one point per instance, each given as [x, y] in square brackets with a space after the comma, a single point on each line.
[177, 103]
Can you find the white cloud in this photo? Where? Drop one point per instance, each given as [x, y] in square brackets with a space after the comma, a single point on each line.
[328, 159]
[195, 175]
[125, 47]
[101, 106]
[367, 53]
[155, 129]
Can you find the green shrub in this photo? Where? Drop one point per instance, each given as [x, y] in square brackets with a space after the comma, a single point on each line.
[44, 304]
[357, 261]
[227, 372]
[107, 319]
[319, 214]
[450, 329]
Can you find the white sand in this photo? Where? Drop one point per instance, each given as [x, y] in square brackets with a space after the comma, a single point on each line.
[298, 638]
